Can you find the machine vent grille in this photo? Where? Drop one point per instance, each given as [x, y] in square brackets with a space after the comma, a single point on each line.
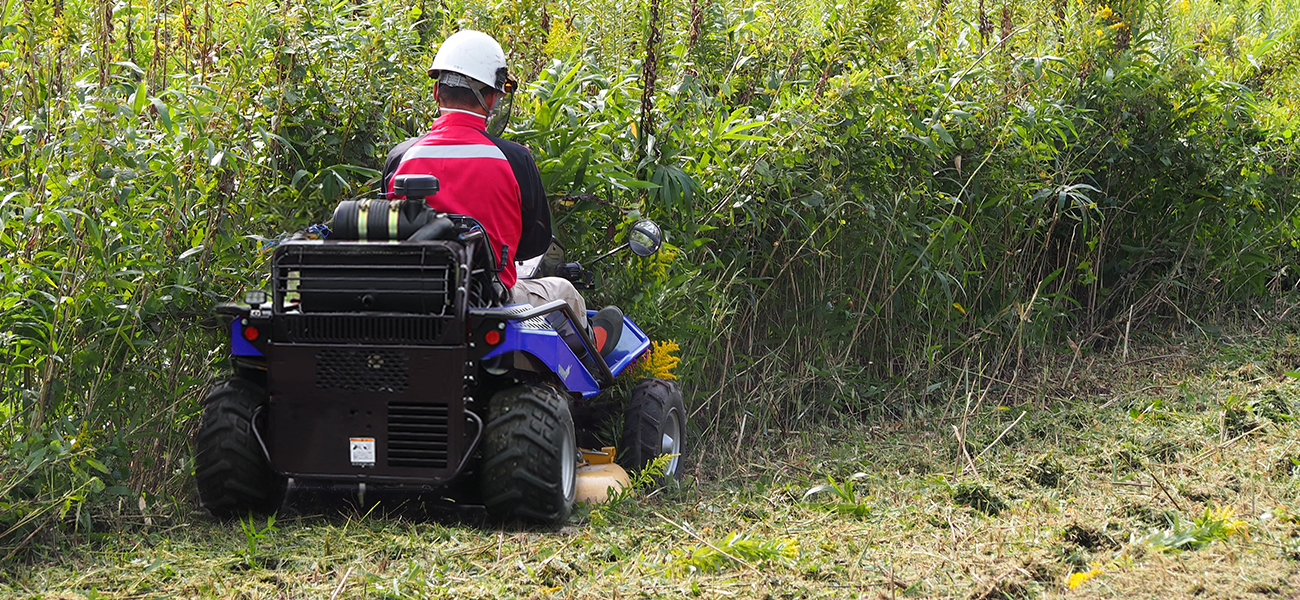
[417, 435]
[363, 370]
[362, 329]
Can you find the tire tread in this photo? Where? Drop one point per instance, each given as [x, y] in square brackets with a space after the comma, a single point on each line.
[232, 474]
[521, 450]
[643, 423]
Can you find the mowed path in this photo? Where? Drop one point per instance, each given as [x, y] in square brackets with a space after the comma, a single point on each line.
[1165, 478]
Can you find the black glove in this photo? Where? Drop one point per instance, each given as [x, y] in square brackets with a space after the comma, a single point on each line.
[571, 270]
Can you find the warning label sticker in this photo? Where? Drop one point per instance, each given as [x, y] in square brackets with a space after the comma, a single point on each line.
[363, 451]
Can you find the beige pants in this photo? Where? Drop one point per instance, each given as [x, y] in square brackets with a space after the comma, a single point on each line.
[545, 289]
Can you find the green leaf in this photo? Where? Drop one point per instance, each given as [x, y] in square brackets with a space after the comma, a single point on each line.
[164, 113]
[817, 489]
[943, 134]
[140, 97]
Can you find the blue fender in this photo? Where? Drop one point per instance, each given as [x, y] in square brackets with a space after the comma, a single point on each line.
[238, 345]
[538, 339]
[631, 345]
[547, 346]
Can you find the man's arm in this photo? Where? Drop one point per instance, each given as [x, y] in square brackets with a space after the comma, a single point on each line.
[391, 163]
[535, 212]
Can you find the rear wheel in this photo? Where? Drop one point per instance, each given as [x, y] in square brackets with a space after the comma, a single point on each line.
[530, 454]
[654, 424]
[230, 466]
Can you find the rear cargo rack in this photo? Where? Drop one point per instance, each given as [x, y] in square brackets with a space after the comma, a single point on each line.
[368, 293]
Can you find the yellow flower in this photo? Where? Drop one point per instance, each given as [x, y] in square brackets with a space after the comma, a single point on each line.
[561, 40]
[1077, 579]
[1104, 12]
[659, 361]
[1226, 515]
[657, 265]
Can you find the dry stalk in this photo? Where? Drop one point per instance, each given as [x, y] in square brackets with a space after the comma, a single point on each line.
[1223, 445]
[1149, 358]
[1162, 487]
[1119, 397]
[961, 443]
[1127, 324]
[649, 75]
[999, 438]
[341, 584]
[1130, 483]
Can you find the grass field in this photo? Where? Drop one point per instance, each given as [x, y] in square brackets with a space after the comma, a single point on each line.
[873, 208]
[1172, 473]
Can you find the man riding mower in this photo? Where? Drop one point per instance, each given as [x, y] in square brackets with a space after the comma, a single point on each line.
[404, 351]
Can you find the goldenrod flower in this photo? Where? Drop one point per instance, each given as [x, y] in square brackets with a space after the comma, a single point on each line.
[659, 361]
[1077, 579]
[657, 265]
[1226, 515]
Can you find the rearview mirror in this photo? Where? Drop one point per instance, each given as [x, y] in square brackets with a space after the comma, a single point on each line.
[645, 238]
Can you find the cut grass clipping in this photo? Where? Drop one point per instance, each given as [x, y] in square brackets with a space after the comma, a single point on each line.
[979, 498]
[843, 498]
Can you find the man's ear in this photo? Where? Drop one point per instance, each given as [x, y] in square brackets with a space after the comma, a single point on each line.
[435, 94]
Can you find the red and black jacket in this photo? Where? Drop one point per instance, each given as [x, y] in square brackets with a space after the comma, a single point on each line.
[483, 176]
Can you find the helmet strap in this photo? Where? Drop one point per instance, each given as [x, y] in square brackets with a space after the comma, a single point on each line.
[481, 101]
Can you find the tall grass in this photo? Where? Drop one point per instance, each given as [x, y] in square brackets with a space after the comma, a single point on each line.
[859, 195]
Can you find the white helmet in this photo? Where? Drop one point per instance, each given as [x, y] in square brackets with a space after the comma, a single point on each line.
[476, 55]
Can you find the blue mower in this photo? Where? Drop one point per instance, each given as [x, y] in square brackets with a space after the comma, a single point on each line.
[387, 355]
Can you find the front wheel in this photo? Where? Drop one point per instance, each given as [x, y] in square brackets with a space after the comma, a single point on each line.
[530, 456]
[654, 424]
[230, 465]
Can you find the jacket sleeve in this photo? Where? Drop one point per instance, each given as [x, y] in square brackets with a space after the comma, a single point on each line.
[392, 162]
[535, 237]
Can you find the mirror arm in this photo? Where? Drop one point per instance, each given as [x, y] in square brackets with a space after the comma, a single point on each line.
[607, 254]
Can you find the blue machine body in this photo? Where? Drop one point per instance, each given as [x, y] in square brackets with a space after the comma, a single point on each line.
[545, 344]
[238, 345]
